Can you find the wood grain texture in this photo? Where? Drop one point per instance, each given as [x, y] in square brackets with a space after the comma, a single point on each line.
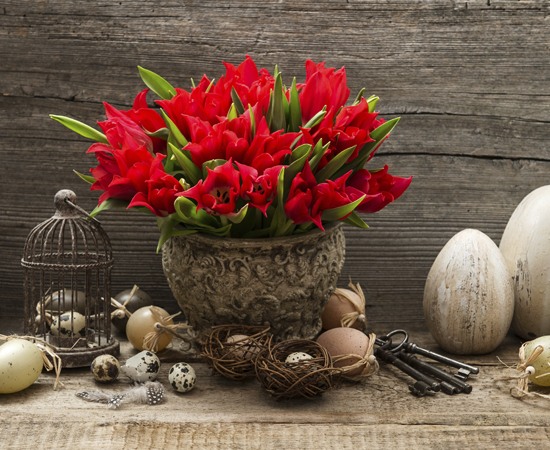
[470, 79]
[218, 414]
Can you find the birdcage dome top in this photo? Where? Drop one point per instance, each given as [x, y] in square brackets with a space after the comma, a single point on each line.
[70, 239]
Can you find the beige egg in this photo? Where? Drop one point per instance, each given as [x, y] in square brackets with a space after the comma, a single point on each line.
[341, 303]
[143, 321]
[21, 364]
[345, 341]
[241, 346]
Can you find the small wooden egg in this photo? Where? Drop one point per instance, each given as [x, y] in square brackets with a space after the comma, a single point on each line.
[142, 367]
[345, 341]
[541, 376]
[105, 368]
[143, 321]
[21, 364]
[469, 296]
[68, 324]
[182, 377]
[132, 303]
[297, 357]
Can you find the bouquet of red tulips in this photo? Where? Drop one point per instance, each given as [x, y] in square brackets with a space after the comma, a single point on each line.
[243, 156]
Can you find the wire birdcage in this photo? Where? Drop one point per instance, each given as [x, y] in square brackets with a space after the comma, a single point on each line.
[67, 265]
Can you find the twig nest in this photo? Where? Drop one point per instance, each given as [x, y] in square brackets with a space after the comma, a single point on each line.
[351, 350]
[285, 372]
[345, 308]
[232, 349]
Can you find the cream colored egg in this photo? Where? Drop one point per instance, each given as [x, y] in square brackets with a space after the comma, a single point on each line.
[525, 245]
[468, 296]
[541, 364]
[21, 364]
[344, 341]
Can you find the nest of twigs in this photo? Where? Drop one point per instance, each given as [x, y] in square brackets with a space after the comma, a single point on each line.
[232, 350]
[306, 378]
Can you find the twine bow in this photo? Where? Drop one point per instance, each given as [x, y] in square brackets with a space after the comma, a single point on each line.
[165, 325]
[369, 363]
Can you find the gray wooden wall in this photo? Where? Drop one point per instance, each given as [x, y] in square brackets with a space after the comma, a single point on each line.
[470, 79]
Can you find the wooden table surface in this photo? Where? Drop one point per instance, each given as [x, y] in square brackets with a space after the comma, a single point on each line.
[224, 414]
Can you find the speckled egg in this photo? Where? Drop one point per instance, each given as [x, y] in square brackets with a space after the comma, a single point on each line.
[182, 377]
[297, 357]
[105, 368]
[68, 324]
[142, 367]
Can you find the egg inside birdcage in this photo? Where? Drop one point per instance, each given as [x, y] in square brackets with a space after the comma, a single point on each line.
[67, 263]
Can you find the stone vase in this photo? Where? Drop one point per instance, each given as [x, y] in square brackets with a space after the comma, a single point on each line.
[282, 282]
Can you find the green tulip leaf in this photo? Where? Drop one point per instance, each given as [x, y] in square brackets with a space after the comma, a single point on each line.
[157, 84]
[237, 102]
[87, 178]
[81, 128]
[193, 172]
[334, 164]
[295, 110]
[340, 212]
[110, 203]
[174, 130]
[355, 220]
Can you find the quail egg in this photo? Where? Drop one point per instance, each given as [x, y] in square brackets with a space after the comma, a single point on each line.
[142, 367]
[297, 357]
[69, 324]
[105, 368]
[182, 377]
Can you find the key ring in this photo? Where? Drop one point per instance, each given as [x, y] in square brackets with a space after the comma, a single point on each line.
[385, 342]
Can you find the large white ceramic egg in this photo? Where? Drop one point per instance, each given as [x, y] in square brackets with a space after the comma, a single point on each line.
[469, 296]
[525, 245]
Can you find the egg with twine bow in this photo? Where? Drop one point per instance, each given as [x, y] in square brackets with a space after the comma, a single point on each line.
[345, 308]
[351, 350]
[151, 328]
[534, 367]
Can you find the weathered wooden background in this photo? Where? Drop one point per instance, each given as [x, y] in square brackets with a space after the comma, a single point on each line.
[470, 79]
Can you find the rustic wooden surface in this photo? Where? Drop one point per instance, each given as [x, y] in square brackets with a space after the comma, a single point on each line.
[222, 414]
[470, 79]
